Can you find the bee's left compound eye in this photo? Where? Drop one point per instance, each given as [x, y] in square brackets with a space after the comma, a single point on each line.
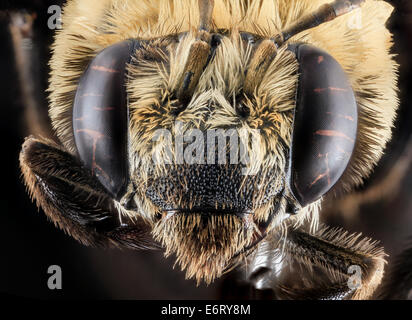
[100, 117]
[325, 125]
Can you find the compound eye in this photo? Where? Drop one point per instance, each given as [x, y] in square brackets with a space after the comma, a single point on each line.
[325, 125]
[100, 117]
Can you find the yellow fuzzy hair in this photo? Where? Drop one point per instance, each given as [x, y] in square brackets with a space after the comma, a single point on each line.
[90, 26]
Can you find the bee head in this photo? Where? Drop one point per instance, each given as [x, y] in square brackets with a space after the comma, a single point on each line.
[216, 135]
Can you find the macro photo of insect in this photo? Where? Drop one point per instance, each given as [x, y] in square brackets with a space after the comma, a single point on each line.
[207, 149]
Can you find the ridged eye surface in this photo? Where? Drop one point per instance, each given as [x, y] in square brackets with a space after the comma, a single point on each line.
[100, 117]
[325, 125]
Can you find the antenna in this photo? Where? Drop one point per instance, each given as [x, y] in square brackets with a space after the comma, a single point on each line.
[267, 50]
[200, 53]
[206, 12]
[325, 13]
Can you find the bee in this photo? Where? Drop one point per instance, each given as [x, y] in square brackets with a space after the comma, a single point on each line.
[315, 90]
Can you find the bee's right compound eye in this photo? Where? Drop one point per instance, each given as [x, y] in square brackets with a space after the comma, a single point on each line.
[100, 117]
[325, 125]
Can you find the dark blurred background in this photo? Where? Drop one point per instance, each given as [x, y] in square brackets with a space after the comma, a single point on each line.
[29, 244]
